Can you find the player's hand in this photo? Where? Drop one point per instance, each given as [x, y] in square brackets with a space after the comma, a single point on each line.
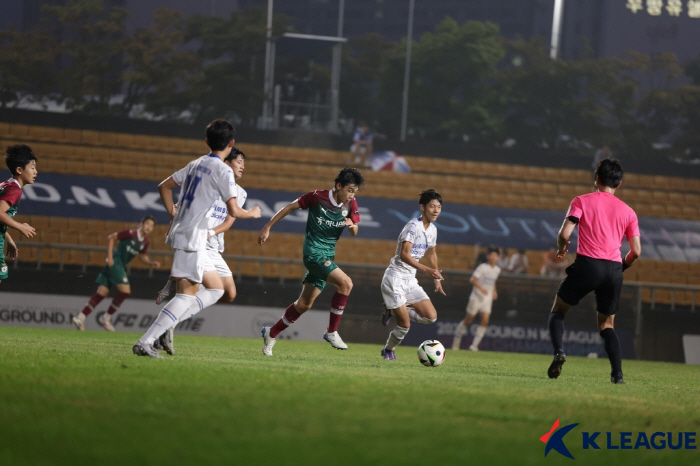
[11, 251]
[110, 261]
[494, 296]
[348, 222]
[562, 252]
[434, 273]
[155, 264]
[438, 287]
[264, 233]
[257, 213]
[27, 230]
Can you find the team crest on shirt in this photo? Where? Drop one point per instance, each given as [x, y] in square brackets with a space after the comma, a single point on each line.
[4, 269]
[344, 212]
[125, 280]
[327, 263]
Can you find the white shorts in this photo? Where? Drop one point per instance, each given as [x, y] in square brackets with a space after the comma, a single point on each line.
[479, 304]
[218, 263]
[399, 291]
[191, 265]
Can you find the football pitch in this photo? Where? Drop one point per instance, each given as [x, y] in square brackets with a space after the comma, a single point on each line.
[81, 398]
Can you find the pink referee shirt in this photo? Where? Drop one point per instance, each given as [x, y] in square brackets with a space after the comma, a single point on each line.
[603, 221]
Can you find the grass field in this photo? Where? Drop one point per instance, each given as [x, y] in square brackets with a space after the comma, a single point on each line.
[83, 399]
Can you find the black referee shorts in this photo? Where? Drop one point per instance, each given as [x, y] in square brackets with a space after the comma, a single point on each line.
[587, 274]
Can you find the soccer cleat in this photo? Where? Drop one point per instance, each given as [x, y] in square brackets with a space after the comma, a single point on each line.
[388, 354]
[78, 323]
[617, 378]
[166, 341]
[157, 345]
[144, 349]
[106, 322]
[268, 341]
[473, 348]
[167, 291]
[334, 339]
[386, 316]
[554, 370]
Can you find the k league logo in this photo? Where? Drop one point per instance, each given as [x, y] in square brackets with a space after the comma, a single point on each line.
[555, 440]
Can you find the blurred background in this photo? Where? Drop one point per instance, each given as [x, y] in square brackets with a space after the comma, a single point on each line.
[503, 107]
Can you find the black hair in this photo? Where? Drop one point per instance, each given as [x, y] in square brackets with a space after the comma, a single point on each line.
[18, 156]
[492, 249]
[609, 172]
[149, 217]
[219, 134]
[235, 152]
[428, 195]
[348, 176]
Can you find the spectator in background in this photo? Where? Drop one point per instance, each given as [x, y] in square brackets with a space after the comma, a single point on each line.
[503, 260]
[361, 147]
[518, 263]
[552, 266]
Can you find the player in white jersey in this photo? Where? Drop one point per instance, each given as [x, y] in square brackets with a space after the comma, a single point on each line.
[219, 223]
[202, 181]
[480, 301]
[403, 297]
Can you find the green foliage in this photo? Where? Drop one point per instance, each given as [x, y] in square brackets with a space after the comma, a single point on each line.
[82, 398]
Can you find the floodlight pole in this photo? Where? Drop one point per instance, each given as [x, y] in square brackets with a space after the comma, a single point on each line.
[335, 72]
[556, 29]
[269, 79]
[407, 70]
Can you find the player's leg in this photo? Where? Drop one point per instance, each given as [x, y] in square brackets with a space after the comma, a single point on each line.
[309, 293]
[123, 292]
[100, 294]
[343, 284]
[484, 315]
[187, 269]
[168, 291]
[607, 297]
[394, 298]
[229, 290]
[472, 309]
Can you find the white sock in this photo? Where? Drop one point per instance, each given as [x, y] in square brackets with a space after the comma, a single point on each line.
[461, 330]
[415, 317]
[81, 316]
[168, 316]
[205, 298]
[479, 335]
[395, 337]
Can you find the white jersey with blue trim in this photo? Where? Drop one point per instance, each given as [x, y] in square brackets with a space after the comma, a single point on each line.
[486, 276]
[422, 240]
[202, 181]
[217, 215]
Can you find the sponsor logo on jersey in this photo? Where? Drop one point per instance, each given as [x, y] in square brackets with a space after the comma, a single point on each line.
[330, 223]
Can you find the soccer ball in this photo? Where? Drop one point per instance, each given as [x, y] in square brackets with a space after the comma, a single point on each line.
[431, 353]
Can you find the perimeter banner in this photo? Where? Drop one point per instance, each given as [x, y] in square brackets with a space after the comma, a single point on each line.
[112, 199]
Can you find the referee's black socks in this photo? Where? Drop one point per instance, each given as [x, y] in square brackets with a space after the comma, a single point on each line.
[556, 330]
[612, 347]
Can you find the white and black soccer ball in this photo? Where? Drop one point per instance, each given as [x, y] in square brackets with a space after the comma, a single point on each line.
[431, 353]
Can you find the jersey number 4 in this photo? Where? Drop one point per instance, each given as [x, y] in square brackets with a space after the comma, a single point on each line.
[192, 183]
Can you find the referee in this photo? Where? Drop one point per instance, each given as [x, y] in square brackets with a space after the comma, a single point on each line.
[603, 220]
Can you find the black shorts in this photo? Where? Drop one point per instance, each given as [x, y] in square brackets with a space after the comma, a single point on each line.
[587, 274]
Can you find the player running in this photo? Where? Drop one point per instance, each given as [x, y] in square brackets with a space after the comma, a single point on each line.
[22, 164]
[202, 181]
[603, 220]
[481, 300]
[403, 297]
[131, 243]
[219, 222]
[329, 213]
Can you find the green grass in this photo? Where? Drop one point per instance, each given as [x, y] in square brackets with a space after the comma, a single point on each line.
[83, 399]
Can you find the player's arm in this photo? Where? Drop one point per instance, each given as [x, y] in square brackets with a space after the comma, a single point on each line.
[147, 260]
[236, 211]
[24, 228]
[635, 251]
[11, 247]
[567, 228]
[111, 241]
[432, 259]
[475, 281]
[283, 212]
[407, 259]
[166, 195]
[352, 226]
[222, 227]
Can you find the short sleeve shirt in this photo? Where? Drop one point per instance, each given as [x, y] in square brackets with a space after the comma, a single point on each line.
[131, 244]
[422, 239]
[326, 221]
[10, 192]
[487, 276]
[217, 215]
[603, 221]
[202, 182]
